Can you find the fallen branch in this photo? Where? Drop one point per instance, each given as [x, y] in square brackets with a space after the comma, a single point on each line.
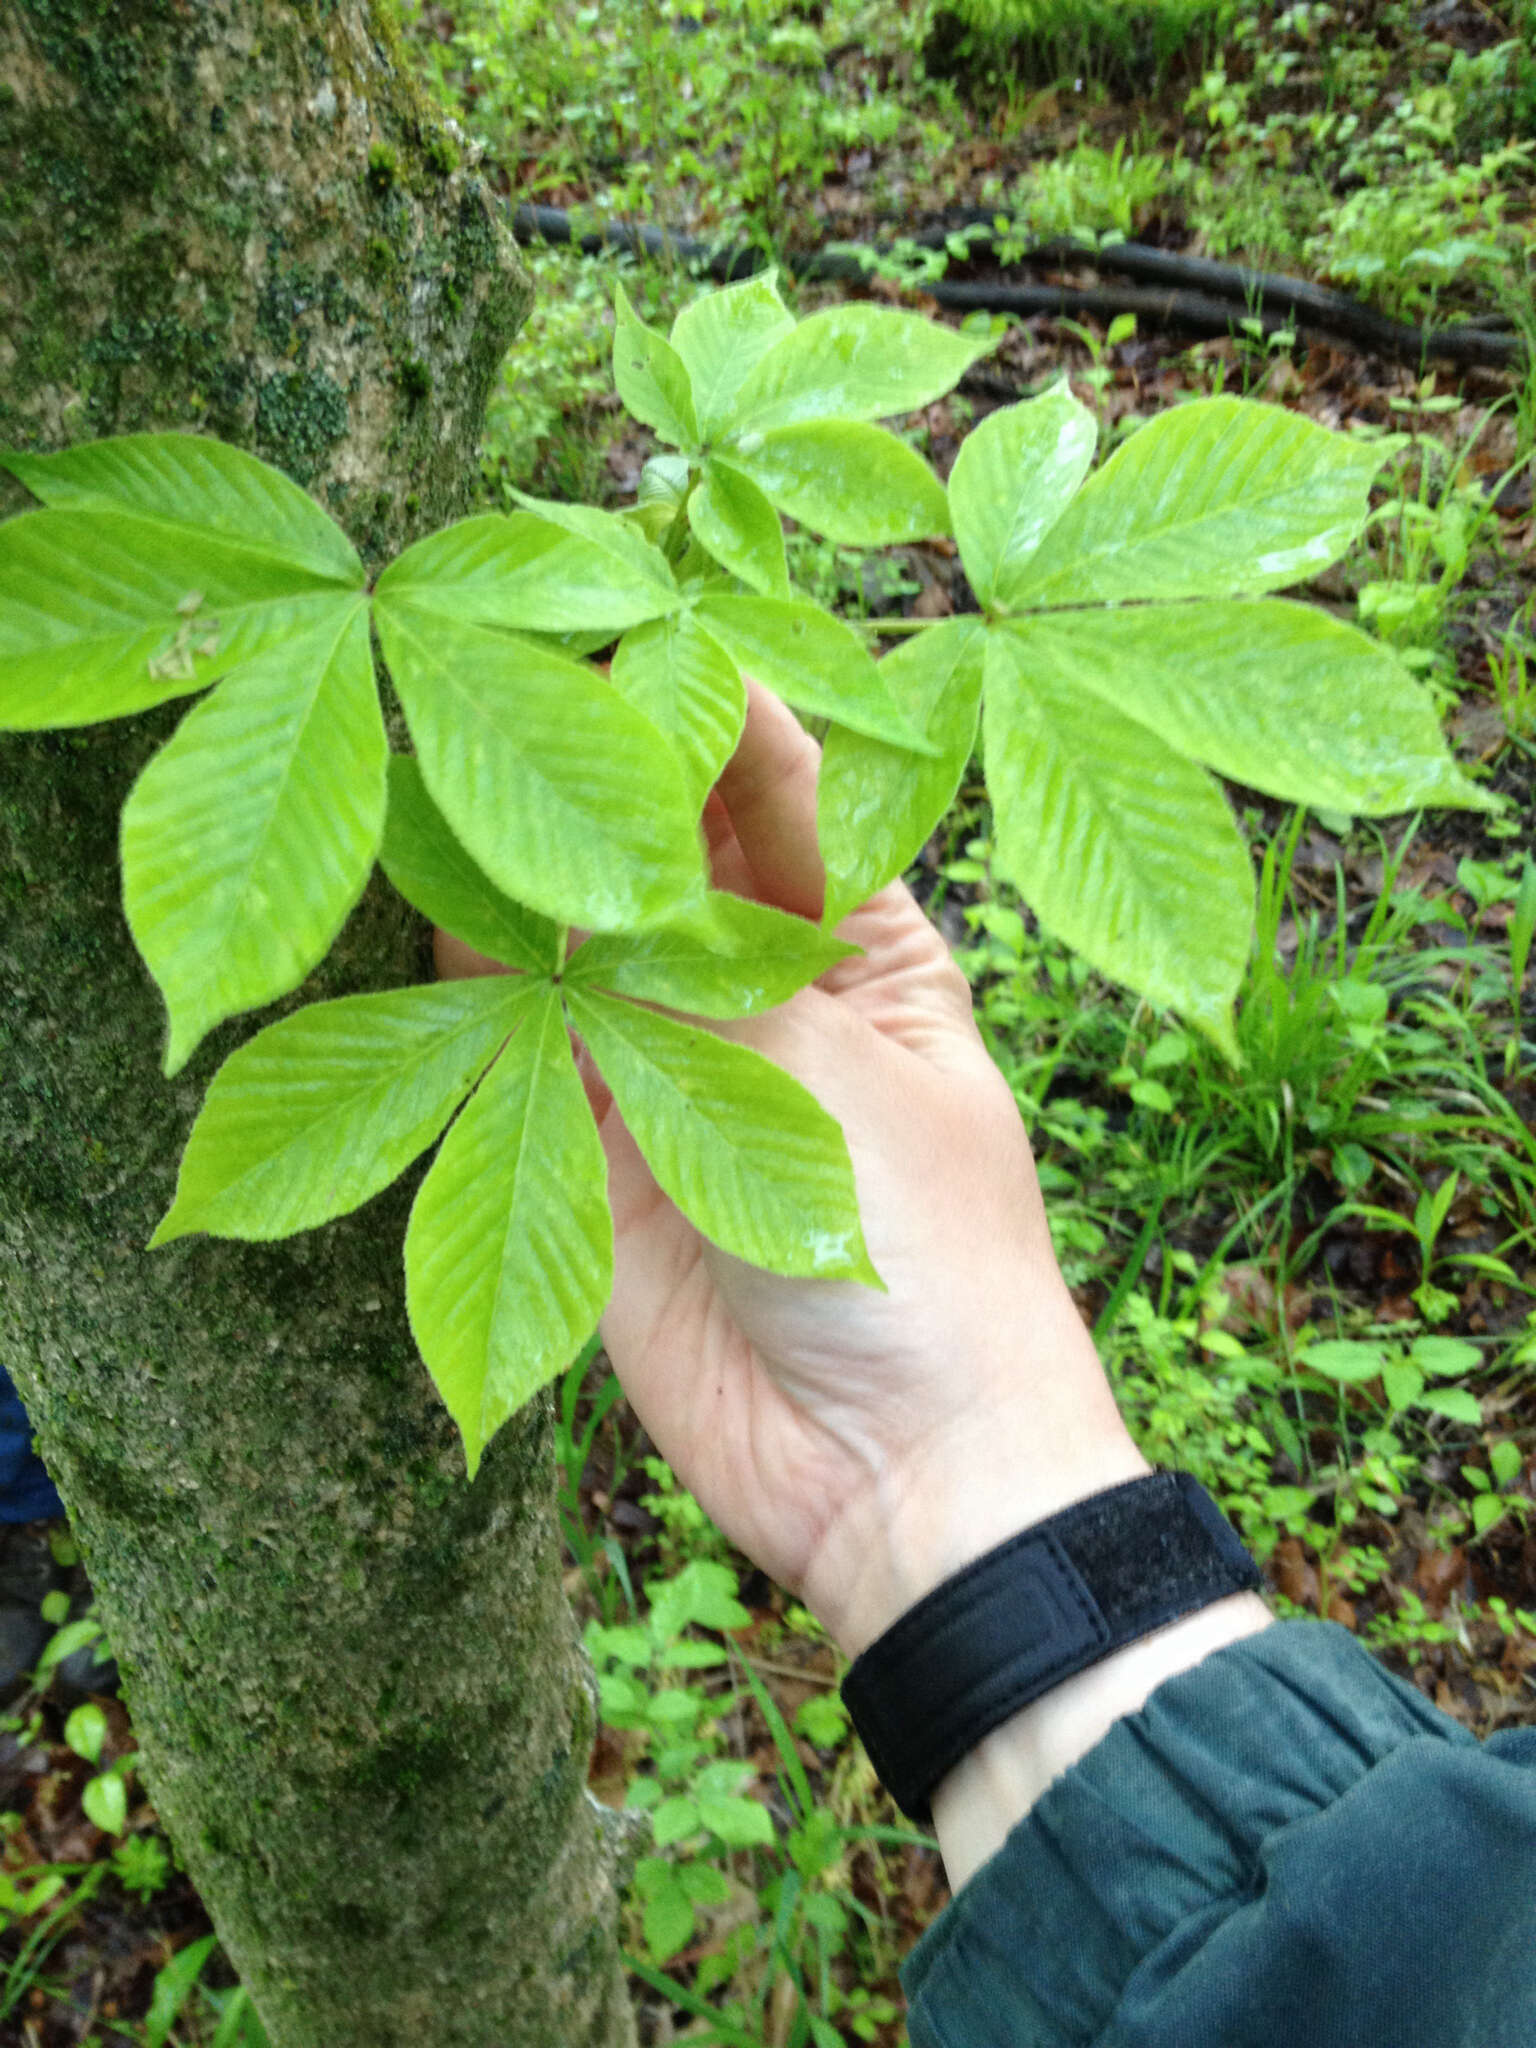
[1199, 296]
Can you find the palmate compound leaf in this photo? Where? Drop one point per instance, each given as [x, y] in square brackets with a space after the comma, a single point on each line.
[103, 613]
[317, 1113]
[724, 957]
[569, 799]
[876, 804]
[557, 569]
[734, 522]
[509, 1253]
[676, 674]
[650, 378]
[250, 835]
[855, 483]
[1012, 480]
[749, 1157]
[812, 660]
[1277, 695]
[434, 872]
[1218, 498]
[854, 362]
[1124, 848]
[195, 486]
[721, 337]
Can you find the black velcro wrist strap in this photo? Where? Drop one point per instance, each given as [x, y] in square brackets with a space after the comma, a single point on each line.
[1046, 1604]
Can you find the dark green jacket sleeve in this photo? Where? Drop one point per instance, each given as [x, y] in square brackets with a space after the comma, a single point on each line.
[1286, 1848]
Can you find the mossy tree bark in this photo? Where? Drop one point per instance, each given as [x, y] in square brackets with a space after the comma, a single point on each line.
[362, 1710]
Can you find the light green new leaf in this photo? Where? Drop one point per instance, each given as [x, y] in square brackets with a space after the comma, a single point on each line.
[103, 613]
[1281, 696]
[732, 519]
[1218, 498]
[677, 675]
[750, 1158]
[315, 1114]
[1340, 1359]
[1124, 848]
[534, 573]
[649, 375]
[721, 337]
[1455, 1403]
[433, 871]
[199, 486]
[876, 804]
[569, 799]
[854, 362]
[509, 1253]
[855, 483]
[614, 535]
[724, 957]
[250, 835]
[814, 662]
[1012, 480]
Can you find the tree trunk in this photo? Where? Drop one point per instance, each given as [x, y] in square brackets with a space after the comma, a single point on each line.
[363, 1713]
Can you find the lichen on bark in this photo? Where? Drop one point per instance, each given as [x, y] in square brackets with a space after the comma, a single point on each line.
[247, 218]
[354, 1679]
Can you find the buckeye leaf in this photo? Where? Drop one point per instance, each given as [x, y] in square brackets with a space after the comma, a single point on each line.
[854, 362]
[732, 519]
[650, 378]
[1124, 848]
[317, 1113]
[432, 871]
[250, 835]
[855, 483]
[569, 799]
[724, 957]
[1012, 480]
[196, 486]
[1280, 696]
[509, 1252]
[750, 1158]
[814, 662]
[719, 339]
[1217, 498]
[536, 573]
[876, 804]
[103, 613]
[677, 675]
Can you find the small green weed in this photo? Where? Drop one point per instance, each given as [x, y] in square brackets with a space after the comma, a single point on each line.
[756, 1892]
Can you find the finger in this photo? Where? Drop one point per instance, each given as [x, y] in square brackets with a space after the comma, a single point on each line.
[599, 1094]
[768, 788]
[456, 960]
[727, 864]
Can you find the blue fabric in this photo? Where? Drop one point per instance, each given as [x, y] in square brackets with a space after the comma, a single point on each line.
[27, 1494]
[1286, 1848]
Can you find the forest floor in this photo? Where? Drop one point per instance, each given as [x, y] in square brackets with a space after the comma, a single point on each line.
[1313, 1278]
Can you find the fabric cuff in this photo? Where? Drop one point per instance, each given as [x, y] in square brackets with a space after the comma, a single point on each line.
[1159, 1824]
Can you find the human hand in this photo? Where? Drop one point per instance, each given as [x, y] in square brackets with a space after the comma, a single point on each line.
[860, 1445]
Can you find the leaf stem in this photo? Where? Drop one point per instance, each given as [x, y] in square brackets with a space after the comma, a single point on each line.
[675, 540]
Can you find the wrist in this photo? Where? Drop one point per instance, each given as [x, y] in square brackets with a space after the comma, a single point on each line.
[914, 1523]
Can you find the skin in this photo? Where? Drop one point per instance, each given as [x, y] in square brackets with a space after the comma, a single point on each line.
[862, 1446]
